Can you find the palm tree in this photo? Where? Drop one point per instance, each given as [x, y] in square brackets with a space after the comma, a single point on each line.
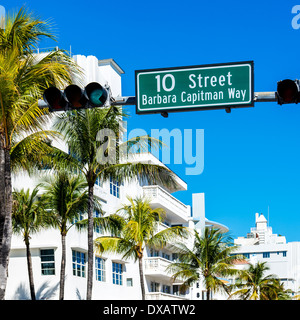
[66, 198]
[23, 78]
[81, 131]
[211, 258]
[252, 284]
[140, 230]
[280, 293]
[28, 216]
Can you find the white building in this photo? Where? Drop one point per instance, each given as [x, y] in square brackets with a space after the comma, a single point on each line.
[283, 259]
[114, 278]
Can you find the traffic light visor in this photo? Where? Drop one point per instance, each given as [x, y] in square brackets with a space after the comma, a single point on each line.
[54, 98]
[96, 94]
[287, 91]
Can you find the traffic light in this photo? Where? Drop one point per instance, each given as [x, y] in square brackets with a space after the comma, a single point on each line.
[288, 91]
[74, 98]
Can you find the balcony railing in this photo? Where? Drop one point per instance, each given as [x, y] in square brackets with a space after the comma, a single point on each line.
[164, 199]
[156, 266]
[163, 296]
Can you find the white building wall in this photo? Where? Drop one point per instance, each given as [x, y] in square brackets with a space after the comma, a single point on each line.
[294, 264]
[18, 285]
[282, 258]
[17, 281]
[105, 72]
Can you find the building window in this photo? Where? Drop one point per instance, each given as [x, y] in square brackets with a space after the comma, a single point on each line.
[165, 222]
[166, 256]
[284, 253]
[176, 290]
[47, 261]
[166, 289]
[154, 253]
[129, 282]
[117, 273]
[99, 182]
[266, 254]
[79, 262]
[154, 287]
[100, 269]
[114, 188]
[97, 227]
[78, 218]
[175, 257]
[246, 255]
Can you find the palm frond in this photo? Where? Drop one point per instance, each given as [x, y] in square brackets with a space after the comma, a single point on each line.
[66, 197]
[112, 223]
[29, 213]
[24, 31]
[169, 236]
[23, 78]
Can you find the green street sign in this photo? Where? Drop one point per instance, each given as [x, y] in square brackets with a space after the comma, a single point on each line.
[217, 86]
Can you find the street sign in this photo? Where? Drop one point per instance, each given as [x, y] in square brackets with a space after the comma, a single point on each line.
[215, 86]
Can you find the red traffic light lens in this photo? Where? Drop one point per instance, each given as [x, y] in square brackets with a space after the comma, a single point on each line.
[54, 98]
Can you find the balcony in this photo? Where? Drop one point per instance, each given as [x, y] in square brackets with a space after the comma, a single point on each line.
[156, 266]
[163, 296]
[176, 211]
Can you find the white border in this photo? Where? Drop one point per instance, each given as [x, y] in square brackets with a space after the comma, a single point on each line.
[198, 105]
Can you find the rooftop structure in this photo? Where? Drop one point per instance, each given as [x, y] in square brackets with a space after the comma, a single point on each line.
[261, 234]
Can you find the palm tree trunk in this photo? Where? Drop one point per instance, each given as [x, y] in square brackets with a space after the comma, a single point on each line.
[62, 267]
[29, 268]
[208, 294]
[5, 216]
[142, 277]
[90, 243]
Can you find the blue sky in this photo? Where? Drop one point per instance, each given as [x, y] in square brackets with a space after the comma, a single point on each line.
[252, 155]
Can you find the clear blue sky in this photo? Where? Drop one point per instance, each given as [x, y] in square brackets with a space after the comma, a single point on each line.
[252, 156]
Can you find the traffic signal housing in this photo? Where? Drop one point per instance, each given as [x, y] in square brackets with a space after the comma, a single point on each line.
[288, 91]
[75, 98]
